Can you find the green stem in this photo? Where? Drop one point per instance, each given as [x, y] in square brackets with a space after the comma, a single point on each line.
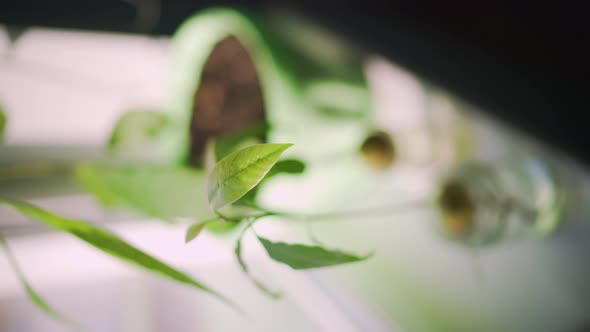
[228, 218]
[388, 210]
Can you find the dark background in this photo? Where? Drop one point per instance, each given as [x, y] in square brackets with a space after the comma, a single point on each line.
[524, 62]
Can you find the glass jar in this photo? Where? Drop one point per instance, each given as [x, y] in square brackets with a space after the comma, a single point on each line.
[481, 203]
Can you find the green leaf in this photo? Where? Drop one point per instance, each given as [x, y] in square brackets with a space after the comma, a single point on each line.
[137, 129]
[260, 285]
[241, 171]
[2, 123]
[155, 191]
[33, 295]
[195, 229]
[300, 256]
[287, 166]
[108, 243]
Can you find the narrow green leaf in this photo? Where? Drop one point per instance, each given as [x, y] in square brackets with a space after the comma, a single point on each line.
[31, 293]
[2, 123]
[195, 229]
[240, 171]
[108, 243]
[259, 284]
[300, 256]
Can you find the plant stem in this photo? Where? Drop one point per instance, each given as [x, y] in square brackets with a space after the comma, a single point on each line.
[384, 210]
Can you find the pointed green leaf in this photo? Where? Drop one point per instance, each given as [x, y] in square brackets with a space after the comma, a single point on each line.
[300, 256]
[240, 171]
[108, 243]
[259, 284]
[195, 229]
[31, 293]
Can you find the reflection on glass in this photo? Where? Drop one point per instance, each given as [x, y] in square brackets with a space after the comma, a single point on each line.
[482, 203]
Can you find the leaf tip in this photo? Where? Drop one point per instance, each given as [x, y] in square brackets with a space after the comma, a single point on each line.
[285, 146]
[188, 238]
[239, 172]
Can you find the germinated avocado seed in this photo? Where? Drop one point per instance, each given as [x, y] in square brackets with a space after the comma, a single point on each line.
[229, 97]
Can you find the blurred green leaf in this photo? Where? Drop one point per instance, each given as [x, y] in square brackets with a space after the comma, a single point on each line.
[97, 181]
[300, 256]
[108, 243]
[287, 166]
[155, 191]
[260, 285]
[240, 171]
[31, 293]
[195, 229]
[2, 123]
[136, 129]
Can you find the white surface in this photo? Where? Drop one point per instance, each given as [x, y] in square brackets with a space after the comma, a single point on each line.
[66, 87]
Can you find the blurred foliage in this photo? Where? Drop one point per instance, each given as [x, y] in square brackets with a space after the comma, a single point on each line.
[3, 121]
[108, 243]
[162, 192]
[137, 133]
[241, 172]
[33, 295]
